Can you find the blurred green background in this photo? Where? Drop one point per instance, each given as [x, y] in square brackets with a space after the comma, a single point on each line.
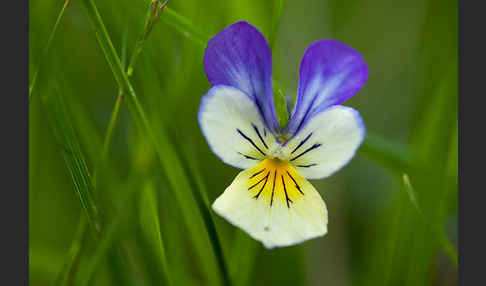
[135, 212]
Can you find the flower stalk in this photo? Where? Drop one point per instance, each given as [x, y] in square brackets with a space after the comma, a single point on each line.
[153, 14]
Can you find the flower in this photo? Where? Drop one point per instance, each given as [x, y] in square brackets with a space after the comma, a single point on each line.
[271, 199]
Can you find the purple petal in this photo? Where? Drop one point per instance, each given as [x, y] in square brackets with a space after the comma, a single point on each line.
[239, 56]
[330, 73]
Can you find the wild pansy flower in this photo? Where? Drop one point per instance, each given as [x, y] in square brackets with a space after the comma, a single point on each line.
[271, 199]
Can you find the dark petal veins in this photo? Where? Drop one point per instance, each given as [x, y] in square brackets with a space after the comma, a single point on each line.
[259, 136]
[248, 157]
[259, 192]
[296, 185]
[273, 188]
[257, 173]
[266, 177]
[301, 143]
[251, 141]
[286, 195]
[309, 149]
[306, 166]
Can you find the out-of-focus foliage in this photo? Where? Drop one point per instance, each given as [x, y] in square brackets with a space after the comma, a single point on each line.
[118, 218]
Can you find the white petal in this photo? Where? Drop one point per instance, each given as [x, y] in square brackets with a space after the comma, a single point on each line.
[274, 205]
[327, 142]
[233, 127]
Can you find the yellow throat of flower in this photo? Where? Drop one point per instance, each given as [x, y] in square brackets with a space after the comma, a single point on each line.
[275, 181]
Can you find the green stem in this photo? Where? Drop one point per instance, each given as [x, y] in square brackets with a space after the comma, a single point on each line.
[46, 49]
[111, 126]
[66, 275]
[153, 15]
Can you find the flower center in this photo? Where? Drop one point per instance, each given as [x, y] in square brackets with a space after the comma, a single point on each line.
[275, 181]
[282, 139]
[278, 153]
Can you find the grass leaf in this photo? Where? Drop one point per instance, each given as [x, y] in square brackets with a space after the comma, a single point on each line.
[441, 236]
[64, 133]
[164, 149]
[45, 51]
[149, 221]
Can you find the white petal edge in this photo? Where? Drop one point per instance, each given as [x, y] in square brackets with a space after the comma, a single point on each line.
[276, 225]
[339, 130]
[223, 111]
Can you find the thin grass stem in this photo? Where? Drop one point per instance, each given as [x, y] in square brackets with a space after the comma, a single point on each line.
[45, 50]
[111, 125]
[65, 277]
[441, 236]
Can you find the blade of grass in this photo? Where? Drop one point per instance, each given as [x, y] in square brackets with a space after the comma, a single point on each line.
[199, 191]
[73, 157]
[430, 148]
[243, 259]
[63, 131]
[45, 50]
[104, 245]
[149, 221]
[154, 12]
[111, 126]
[107, 241]
[240, 268]
[431, 138]
[116, 109]
[164, 149]
[115, 113]
[442, 237]
[245, 248]
[72, 260]
[62, 127]
[66, 274]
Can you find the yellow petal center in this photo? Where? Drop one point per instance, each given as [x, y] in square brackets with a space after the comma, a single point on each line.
[275, 181]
